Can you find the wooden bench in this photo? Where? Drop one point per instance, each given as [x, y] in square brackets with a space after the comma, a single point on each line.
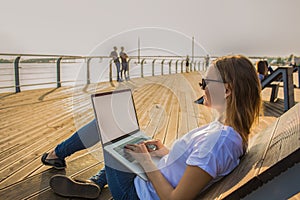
[284, 73]
[274, 93]
[270, 153]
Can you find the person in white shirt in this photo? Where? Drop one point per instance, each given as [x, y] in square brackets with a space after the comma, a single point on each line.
[114, 55]
[199, 158]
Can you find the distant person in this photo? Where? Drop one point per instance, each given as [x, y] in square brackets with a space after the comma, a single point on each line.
[198, 159]
[114, 55]
[207, 61]
[124, 60]
[187, 63]
[270, 69]
[262, 70]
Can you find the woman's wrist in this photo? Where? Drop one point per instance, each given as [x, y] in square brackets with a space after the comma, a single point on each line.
[148, 166]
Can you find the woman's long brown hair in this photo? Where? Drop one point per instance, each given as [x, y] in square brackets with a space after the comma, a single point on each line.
[244, 103]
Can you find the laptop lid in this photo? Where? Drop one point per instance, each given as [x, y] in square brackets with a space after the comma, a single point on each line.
[115, 115]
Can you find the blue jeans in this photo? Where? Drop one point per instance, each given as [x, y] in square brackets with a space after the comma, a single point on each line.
[120, 182]
[118, 70]
[85, 137]
[124, 70]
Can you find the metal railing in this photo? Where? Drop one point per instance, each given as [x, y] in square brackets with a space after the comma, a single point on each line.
[19, 62]
[18, 71]
[198, 65]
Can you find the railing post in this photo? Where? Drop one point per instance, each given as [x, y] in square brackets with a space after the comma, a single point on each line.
[162, 67]
[128, 74]
[17, 75]
[176, 65]
[110, 70]
[153, 67]
[170, 64]
[58, 82]
[195, 63]
[187, 67]
[142, 68]
[206, 62]
[182, 66]
[88, 75]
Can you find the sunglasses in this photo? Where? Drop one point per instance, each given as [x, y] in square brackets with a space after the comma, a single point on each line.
[204, 82]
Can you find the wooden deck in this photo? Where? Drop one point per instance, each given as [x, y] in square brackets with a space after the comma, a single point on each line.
[33, 122]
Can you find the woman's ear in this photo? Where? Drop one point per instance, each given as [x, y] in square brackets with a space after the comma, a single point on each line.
[227, 90]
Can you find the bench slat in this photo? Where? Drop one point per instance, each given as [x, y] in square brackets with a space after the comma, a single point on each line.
[270, 153]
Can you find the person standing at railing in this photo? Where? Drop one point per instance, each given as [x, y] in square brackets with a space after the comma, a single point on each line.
[114, 55]
[124, 70]
[187, 63]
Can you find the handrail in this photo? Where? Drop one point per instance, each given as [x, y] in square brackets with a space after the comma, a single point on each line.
[19, 75]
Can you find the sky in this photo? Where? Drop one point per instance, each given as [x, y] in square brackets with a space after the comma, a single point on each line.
[219, 27]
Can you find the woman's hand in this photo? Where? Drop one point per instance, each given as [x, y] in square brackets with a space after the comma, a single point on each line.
[160, 150]
[139, 152]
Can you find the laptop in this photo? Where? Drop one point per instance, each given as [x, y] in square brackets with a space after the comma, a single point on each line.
[117, 125]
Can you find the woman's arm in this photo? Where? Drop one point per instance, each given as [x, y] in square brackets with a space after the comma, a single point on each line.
[191, 183]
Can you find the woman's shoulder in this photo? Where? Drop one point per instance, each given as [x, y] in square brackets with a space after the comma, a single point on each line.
[216, 135]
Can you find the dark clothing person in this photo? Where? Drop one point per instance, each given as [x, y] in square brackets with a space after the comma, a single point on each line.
[115, 57]
[124, 58]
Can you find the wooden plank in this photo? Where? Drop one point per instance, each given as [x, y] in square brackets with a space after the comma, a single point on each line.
[171, 133]
[147, 105]
[282, 146]
[47, 193]
[161, 127]
[40, 182]
[295, 197]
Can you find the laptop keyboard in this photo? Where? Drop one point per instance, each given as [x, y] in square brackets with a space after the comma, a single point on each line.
[121, 151]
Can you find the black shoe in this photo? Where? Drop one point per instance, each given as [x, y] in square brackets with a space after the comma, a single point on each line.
[67, 187]
[56, 163]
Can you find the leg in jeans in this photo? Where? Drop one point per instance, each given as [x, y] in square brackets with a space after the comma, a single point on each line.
[122, 71]
[119, 180]
[118, 70]
[125, 69]
[85, 137]
[121, 184]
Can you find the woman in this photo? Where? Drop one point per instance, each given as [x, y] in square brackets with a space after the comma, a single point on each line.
[262, 69]
[198, 159]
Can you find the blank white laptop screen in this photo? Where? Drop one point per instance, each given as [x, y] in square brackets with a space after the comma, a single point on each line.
[115, 114]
